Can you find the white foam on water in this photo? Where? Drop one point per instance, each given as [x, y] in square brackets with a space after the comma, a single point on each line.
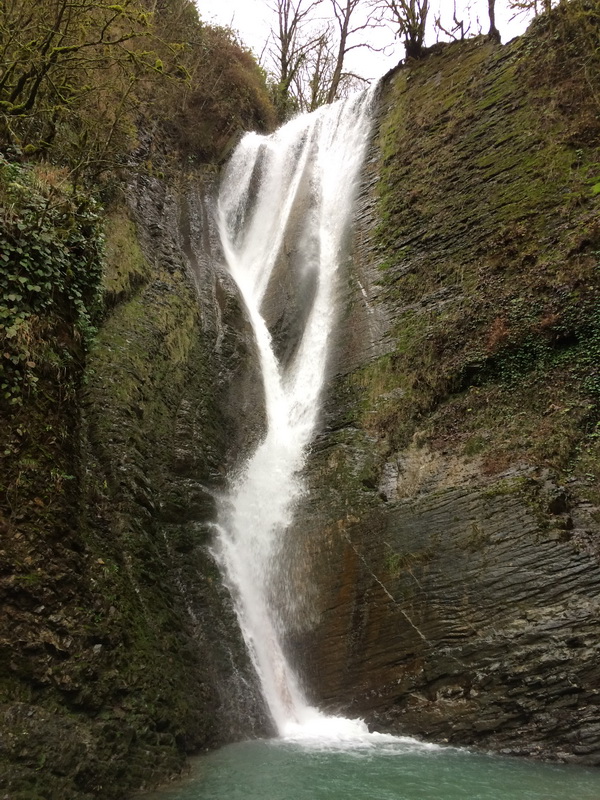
[319, 731]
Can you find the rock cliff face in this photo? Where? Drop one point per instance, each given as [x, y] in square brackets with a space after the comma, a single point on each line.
[123, 651]
[451, 534]
[446, 555]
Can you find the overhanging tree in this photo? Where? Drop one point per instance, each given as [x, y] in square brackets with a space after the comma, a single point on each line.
[68, 69]
[537, 6]
[49, 45]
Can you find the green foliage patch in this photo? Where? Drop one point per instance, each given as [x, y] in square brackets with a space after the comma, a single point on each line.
[79, 80]
[51, 265]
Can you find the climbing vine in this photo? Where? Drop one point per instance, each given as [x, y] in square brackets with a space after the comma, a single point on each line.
[50, 272]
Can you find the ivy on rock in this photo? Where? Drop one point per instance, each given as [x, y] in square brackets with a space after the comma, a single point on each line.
[51, 265]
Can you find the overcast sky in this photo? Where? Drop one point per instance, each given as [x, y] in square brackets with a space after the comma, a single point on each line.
[253, 20]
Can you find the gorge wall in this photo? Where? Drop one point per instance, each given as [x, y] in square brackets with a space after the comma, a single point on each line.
[451, 527]
[447, 551]
[121, 650]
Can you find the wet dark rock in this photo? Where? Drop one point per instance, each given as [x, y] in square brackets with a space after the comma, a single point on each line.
[121, 653]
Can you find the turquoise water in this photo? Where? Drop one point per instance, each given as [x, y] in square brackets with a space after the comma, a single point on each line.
[397, 770]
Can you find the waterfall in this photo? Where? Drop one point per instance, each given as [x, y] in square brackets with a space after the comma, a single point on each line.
[299, 181]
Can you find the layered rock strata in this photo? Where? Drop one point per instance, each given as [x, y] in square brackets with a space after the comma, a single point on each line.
[125, 653]
[450, 534]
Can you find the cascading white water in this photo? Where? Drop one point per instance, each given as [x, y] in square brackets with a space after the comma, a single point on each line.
[318, 156]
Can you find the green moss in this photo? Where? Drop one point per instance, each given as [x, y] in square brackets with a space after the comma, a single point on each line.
[475, 538]
[508, 486]
[140, 358]
[398, 563]
[125, 267]
[51, 264]
[489, 241]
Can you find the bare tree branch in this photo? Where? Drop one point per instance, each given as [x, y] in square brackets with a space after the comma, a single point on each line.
[409, 18]
[343, 11]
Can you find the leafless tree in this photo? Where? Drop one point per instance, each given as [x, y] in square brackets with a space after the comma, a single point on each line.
[290, 45]
[344, 13]
[460, 28]
[494, 33]
[409, 18]
[307, 50]
[311, 82]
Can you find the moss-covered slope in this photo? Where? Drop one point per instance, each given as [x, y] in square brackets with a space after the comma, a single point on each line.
[490, 237]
